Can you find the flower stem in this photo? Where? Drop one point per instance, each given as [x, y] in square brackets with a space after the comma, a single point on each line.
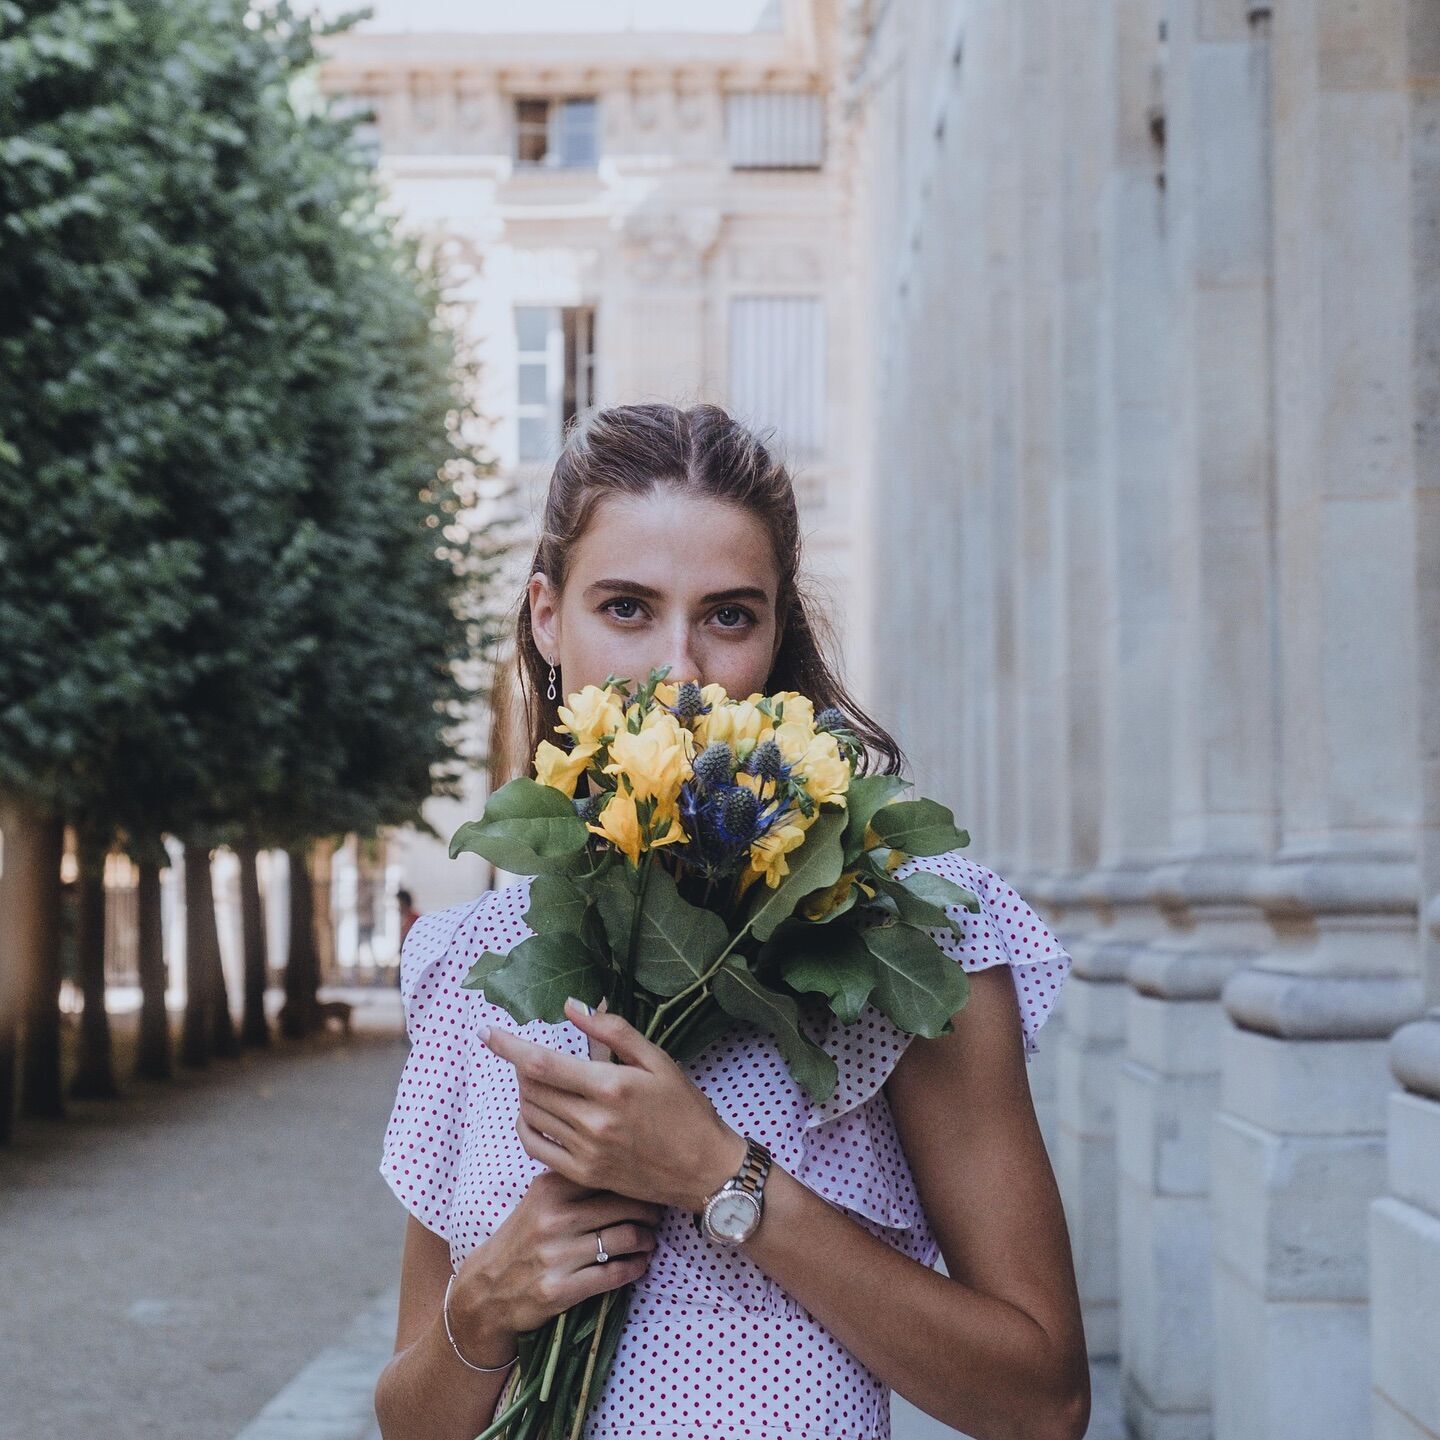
[684, 1015]
[579, 1422]
[550, 1360]
[502, 1420]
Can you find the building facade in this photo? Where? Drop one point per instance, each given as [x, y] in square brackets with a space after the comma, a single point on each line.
[1155, 289]
[632, 214]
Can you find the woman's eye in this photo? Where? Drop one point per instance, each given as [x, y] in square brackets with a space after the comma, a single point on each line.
[609, 603]
[745, 616]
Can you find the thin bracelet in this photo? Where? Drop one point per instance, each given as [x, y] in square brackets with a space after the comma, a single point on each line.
[484, 1369]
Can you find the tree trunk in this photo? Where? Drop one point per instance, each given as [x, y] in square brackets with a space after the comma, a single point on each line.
[224, 1042]
[302, 969]
[255, 1028]
[94, 1077]
[152, 1059]
[41, 1086]
[196, 1031]
[21, 888]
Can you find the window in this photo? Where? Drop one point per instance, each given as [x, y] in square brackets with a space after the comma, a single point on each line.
[556, 377]
[777, 368]
[775, 129]
[554, 133]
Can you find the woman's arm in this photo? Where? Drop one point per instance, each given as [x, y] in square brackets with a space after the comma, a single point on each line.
[424, 1392]
[996, 1348]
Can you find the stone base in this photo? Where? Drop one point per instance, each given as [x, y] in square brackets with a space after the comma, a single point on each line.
[1405, 1277]
[1298, 1155]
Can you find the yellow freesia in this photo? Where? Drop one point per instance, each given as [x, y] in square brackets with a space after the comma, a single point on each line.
[798, 708]
[734, 723]
[655, 760]
[562, 768]
[767, 854]
[793, 737]
[620, 825]
[591, 714]
[823, 771]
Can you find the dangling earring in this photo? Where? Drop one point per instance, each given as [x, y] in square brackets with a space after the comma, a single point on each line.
[550, 693]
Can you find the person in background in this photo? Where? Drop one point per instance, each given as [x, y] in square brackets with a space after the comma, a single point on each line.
[408, 913]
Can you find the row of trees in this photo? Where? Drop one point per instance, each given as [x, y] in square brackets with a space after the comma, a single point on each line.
[238, 602]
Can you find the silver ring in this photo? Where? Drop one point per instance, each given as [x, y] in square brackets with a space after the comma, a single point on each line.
[601, 1254]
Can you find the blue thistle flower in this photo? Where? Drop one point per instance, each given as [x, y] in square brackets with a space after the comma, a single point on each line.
[689, 703]
[766, 761]
[715, 765]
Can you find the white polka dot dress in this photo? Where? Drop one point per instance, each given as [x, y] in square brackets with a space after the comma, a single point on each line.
[712, 1349]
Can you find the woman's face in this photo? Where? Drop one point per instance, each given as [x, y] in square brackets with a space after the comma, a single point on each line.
[667, 578]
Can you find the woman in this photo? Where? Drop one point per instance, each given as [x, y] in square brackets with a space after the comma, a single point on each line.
[536, 1177]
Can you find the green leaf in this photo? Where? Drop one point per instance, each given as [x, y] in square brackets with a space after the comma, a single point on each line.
[917, 985]
[676, 941]
[527, 828]
[865, 795]
[541, 972]
[938, 890]
[556, 906]
[918, 827]
[615, 890]
[815, 864]
[483, 969]
[839, 967]
[740, 994]
[924, 903]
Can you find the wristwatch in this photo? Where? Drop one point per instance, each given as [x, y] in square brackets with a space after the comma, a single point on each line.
[732, 1214]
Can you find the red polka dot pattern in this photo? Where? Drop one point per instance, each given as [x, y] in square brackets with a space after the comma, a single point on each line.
[712, 1347]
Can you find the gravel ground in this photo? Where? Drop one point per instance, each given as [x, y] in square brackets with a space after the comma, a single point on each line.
[170, 1260]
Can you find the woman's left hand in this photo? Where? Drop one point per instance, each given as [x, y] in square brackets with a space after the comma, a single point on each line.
[641, 1128]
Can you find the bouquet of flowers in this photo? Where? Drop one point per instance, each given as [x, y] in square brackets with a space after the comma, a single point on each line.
[717, 872]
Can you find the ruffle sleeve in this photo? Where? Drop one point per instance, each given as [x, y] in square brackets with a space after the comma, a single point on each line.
[851, 1152]
[421, 1149]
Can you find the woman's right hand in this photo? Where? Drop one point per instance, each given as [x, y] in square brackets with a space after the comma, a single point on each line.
[541, 1260]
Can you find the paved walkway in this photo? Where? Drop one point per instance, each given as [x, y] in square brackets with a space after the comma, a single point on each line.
[171, 1260]
[218, 1258]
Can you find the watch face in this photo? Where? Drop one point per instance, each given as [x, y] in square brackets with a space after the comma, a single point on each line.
[733, 1215]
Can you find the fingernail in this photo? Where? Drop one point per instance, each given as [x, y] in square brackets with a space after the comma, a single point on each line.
[580, 1005]
[483, 1030]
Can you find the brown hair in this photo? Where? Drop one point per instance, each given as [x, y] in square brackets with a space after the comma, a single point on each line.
[628, 450]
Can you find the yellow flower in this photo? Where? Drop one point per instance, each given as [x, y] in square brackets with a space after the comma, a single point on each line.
[794, 739]
[798, 708]
[655, 760]
[591, 714]
[561, 768]
[735, 722]
[823, 771]
[620, 825]
[767, 854]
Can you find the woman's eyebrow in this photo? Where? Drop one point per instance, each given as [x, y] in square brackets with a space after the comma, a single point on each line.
[633, 587]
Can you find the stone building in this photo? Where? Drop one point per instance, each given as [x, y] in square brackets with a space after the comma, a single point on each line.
[642, 202]
[1151, 292]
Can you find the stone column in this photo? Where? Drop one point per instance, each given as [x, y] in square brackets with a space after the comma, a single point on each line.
[1404, 1230]
[1298, 1145]
[1215, 114]
[1062, 100]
